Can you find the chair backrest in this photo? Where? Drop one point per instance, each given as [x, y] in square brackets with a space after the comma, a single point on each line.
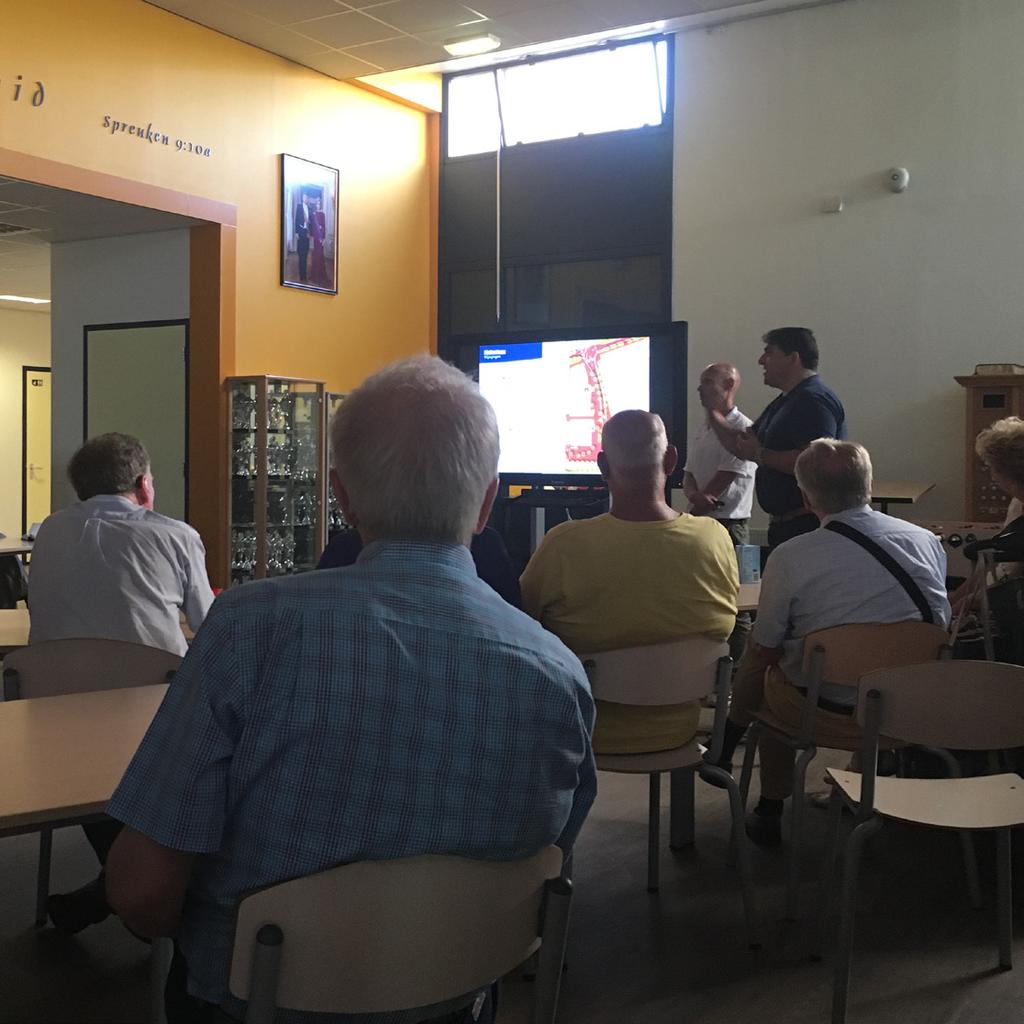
[57, 667]
[378, 936]
[958, 705]
[851, 651]
[670, 673]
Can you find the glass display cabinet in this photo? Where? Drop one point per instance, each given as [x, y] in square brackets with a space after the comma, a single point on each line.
[276, 515]
[336, 521]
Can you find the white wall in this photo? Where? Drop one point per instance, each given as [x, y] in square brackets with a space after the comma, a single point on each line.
[903, 291]
[24, 341]
[127, 279]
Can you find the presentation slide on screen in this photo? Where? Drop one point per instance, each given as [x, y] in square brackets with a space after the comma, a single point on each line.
[553, 398]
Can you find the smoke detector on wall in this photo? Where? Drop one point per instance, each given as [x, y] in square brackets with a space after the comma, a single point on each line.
[899, 179]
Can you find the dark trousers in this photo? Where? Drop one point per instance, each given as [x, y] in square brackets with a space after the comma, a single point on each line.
[303, 248]
[739, 532]
[181, 1008]
[779, 533]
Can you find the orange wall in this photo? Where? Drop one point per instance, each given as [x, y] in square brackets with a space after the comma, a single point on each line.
[136, 63]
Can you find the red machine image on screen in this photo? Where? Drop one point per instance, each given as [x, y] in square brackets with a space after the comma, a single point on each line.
[589, 358]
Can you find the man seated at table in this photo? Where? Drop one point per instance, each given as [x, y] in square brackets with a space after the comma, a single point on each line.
[108, 567]
[391, 708]
[640, 574]
[815, 581]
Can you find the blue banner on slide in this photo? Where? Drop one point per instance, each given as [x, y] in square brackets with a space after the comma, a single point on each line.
[511, 353]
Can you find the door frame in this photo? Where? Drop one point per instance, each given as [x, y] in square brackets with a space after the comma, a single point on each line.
[127, 326]
[212, 298]
[25, 371]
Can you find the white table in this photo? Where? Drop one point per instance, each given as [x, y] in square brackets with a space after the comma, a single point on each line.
[15, 546]
[62, 757]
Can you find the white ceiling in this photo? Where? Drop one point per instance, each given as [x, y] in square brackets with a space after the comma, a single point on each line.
[356, 38]
[32, 216]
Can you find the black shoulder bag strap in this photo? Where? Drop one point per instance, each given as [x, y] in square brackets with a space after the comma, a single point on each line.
[902, 576]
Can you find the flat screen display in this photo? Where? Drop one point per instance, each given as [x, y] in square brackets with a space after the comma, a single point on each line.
[552, 398]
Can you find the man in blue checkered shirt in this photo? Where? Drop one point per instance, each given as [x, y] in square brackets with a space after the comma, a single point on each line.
[392, 708]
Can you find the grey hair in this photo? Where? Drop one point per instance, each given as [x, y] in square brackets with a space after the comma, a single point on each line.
[108, 464]
[1001, 448]
[835, 475]
[634, 442]
[416, 446]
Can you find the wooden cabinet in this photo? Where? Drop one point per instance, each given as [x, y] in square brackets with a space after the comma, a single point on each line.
[989, 398]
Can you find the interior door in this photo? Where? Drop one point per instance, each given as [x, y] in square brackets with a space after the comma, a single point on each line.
[136, 382]
[35, 445]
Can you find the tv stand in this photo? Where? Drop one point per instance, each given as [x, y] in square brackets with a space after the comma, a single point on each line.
[540, 499]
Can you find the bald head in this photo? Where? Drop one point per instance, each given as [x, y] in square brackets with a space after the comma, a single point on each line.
[719, 383]
[633, 444]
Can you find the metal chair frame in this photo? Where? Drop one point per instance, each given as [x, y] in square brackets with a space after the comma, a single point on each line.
[803, 742]
[683, 764]
[868, 820]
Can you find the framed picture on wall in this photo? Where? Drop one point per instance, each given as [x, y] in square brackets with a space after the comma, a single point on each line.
[309, 225]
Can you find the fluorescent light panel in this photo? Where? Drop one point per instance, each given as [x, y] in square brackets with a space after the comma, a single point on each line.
[24, 298]
[470, 46]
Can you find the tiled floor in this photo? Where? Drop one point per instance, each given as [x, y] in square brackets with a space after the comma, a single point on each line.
[923, 956]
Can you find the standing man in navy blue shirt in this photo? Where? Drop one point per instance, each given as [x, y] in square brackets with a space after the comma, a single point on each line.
[806, 410]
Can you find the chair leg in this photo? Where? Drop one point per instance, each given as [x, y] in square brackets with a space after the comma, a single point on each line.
[971, 868]
[263, 976]
[741, 846]
[749, 753]
[681, 808]
[551, 955]
[1004, 898]
[653, 831]
[161, 953]
[844, 955]
[828, 873]
[796, 831]
[43, 875]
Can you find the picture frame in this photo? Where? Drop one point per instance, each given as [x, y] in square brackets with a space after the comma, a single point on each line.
[309, 225]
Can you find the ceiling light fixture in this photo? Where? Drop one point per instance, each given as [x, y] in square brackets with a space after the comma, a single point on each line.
[24, 298]
[471, 46]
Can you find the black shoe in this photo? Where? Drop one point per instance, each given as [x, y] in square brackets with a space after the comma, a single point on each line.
[73, 911]
[764, 829]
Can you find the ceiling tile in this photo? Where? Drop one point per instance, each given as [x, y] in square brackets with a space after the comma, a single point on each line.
[636, 12]
[424, 15]
[341, 65]
[285, 42]
[404, 52]
[341, 30]
[495, 8]
[558, 21]
[284, 12]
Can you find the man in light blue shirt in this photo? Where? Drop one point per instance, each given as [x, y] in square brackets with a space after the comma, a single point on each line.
[391, 708]
[108, 566]
[819, 580]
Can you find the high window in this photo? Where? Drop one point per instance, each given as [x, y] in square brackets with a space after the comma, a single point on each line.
[611, 89]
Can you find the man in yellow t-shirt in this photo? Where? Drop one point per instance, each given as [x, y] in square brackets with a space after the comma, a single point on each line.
[640, 574]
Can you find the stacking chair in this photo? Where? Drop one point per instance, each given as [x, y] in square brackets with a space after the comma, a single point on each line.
[840, 656]
[57, 667]
[684, 670]
[381, 936]
[960, 705]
